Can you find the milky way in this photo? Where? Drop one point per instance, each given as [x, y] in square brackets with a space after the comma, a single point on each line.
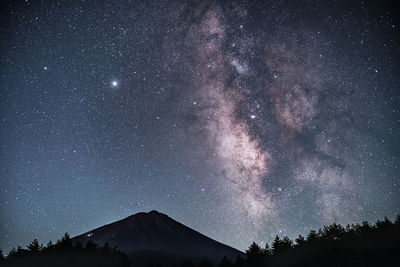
[241, 159]
[271, 106]
[240, 120]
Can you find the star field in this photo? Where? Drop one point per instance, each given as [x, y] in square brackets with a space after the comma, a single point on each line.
[240, 119]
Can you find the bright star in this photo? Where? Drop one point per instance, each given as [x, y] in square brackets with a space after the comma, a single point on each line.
[114, 83]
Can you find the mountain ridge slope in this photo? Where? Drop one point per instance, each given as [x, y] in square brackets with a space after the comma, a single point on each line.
[157, 233]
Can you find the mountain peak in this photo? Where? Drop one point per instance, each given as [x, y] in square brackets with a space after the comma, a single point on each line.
[151, 215]
[154, 212]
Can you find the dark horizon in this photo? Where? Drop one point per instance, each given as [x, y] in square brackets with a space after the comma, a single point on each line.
[155, 239]
[239, 120]
[73, 236]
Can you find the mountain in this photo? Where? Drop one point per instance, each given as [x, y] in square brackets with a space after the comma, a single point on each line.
[154, 235]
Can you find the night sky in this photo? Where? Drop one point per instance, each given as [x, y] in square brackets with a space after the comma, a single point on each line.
[240, 119]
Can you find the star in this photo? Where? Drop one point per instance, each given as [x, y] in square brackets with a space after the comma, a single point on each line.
[114, 83]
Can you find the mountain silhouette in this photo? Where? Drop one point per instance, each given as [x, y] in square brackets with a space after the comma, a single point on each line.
[154, 235]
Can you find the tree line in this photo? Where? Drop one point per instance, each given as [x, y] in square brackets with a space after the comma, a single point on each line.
[65, 253]
[333, 245]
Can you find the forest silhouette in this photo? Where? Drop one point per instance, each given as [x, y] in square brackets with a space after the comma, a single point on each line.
[334, 245]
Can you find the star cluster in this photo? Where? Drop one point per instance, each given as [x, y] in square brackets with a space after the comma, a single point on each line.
[240, 119]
